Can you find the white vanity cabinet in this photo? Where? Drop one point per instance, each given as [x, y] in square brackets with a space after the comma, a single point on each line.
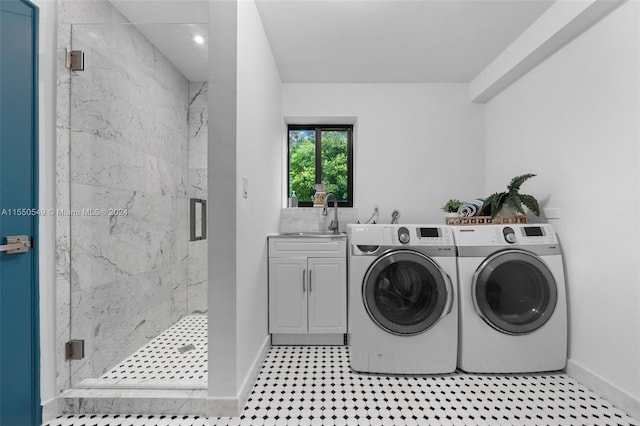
[307, 289]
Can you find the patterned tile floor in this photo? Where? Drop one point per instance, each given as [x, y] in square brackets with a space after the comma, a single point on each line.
[313, 385]
[178, 356]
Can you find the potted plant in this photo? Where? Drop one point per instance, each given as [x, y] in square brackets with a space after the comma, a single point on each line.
[451, 207]
[511, 199]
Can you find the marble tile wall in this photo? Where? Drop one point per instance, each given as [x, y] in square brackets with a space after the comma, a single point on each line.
[310, 219]
[198, 134]
[123, 173]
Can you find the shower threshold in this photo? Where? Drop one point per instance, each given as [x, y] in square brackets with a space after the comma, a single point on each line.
[175, 359]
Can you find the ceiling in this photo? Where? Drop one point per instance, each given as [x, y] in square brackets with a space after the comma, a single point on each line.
[171, 26]
[355, 41]
[391, 40]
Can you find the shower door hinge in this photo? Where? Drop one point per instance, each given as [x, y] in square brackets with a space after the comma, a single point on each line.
[74, 349]
[75, 60]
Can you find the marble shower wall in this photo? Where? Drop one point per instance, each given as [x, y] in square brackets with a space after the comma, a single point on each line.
[198, 137]
[123, 172]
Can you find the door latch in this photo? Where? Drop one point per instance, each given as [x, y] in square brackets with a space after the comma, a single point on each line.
[16, 244]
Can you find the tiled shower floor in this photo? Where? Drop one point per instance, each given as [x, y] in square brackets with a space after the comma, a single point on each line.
[313, 385]
[177, 357]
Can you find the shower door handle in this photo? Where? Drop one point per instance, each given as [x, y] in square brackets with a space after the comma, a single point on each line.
[197, 229]
[16, 244]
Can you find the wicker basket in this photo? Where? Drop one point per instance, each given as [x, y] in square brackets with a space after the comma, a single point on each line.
[486, 220]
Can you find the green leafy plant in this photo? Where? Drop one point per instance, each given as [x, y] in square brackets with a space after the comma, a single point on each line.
[452, 206]
[302, 163]
[511, 198]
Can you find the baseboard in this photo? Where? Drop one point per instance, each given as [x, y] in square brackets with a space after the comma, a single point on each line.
[307, 339]
[49, 410]
[618, 397]
[232, 407]
[252, 376]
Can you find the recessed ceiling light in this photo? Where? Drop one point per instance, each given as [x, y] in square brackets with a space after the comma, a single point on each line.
[198, 39]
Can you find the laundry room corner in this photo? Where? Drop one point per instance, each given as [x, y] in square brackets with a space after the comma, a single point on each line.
[557, 122]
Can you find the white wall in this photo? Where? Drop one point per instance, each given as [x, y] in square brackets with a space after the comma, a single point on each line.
[416, 145]
[259, 135]
[573, 120]
[221, 211]
[47, 200]
[244, 141]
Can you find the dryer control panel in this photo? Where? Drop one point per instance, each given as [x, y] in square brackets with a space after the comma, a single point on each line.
[505, 235]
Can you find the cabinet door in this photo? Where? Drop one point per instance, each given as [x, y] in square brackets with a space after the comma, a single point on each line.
[327, 289]
[288, 295]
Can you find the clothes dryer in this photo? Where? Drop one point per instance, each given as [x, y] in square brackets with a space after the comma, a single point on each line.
[402, 308]
[513, 311]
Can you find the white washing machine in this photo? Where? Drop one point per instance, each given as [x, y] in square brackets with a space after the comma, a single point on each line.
[403, 315]
[513, 309]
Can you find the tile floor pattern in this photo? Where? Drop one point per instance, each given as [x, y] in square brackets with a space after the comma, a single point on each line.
[176, 356]
[313, 385]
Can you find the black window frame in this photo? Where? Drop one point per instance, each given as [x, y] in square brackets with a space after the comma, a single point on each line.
[319, 128]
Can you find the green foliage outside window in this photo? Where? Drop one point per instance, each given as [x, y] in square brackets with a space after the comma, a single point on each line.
[334, 171]
[334, 163]
[302, 163]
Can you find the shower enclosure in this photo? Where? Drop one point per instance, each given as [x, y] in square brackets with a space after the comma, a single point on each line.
[137, 166]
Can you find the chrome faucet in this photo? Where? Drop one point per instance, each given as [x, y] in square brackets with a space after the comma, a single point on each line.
[333, 226]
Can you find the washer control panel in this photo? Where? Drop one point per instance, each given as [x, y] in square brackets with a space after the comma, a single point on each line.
[419, 235]
[400, 235]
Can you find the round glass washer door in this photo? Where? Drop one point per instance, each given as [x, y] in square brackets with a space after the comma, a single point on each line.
[514, 292]
[405, 292]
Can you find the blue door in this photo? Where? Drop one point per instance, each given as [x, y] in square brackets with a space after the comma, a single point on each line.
[19, 352]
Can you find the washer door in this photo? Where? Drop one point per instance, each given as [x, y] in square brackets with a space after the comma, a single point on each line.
[406, 293]
[514, 292]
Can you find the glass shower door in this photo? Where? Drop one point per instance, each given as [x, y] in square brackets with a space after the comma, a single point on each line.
[138, 285]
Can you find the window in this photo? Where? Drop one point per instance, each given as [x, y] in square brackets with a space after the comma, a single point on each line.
[321, 154]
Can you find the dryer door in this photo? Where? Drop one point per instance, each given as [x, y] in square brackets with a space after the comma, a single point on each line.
[406, 292]
[514, 292]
